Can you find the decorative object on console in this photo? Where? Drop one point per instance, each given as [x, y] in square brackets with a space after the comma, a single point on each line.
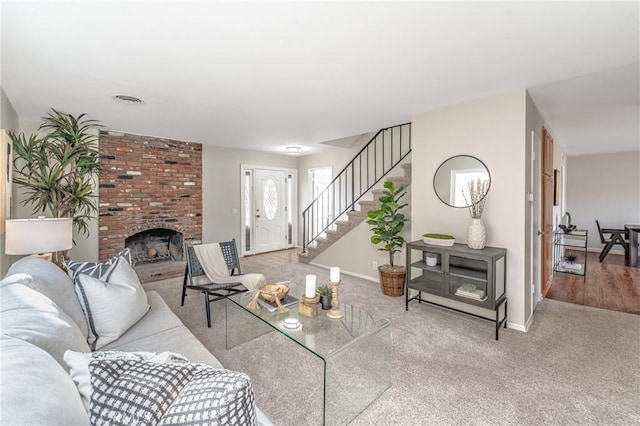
[566, 226]
[388, 223]
[57, 170]
[476, 232]
[38, 236]
[439, 239]
[335, 311]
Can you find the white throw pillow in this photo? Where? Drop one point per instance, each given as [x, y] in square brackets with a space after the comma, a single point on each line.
[78, 363]
[111, 307]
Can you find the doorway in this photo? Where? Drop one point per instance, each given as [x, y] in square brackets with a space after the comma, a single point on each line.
[268, 208]
[546, 225]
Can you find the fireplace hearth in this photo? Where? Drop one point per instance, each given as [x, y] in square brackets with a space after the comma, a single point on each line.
[155, 245]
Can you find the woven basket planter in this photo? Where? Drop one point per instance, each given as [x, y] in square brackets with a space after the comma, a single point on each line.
[392, 280]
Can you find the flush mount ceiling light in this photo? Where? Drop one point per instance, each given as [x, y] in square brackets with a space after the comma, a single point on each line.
[129, 100]
[293, 149]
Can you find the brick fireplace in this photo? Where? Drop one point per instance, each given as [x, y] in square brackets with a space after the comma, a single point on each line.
[150, 200]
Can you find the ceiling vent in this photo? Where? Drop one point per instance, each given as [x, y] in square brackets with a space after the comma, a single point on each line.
[129, 100]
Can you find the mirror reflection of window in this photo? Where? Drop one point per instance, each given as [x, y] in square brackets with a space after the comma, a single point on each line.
[451, 179]
[460, 184]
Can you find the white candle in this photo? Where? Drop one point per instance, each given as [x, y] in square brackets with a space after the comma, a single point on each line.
[334, 274]
[310, 288]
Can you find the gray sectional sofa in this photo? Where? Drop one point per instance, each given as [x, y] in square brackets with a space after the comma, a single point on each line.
[41, 318]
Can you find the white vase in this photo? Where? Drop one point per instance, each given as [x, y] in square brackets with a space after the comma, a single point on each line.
[476, 234]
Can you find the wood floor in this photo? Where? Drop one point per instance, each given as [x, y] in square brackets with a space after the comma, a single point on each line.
[608, 285]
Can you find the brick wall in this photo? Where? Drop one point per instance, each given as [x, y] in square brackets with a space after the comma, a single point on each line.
[147, 183]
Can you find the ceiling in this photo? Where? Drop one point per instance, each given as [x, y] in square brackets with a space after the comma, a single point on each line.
[266, 75]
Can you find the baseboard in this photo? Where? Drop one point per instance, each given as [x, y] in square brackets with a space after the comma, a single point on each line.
[353, 274]
[518, 327]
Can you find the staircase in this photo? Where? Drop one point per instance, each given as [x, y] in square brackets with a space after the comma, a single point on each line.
[343, 204]
[353, 218]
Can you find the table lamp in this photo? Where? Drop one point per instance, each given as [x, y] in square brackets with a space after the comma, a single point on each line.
[38, 236]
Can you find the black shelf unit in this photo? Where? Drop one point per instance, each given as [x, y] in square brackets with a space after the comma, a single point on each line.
[482, 273]
[576, 241]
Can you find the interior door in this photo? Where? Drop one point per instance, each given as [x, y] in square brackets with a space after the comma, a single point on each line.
[546, 224]
[270, 219]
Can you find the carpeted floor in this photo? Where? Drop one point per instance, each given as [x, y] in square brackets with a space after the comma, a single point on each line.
[576, 365]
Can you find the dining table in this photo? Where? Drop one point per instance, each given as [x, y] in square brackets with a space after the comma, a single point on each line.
[633, 245]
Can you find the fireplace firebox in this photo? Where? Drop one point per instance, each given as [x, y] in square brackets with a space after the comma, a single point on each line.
[154, 245]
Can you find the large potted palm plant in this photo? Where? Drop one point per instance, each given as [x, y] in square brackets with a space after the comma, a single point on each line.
[56, 168]
[388, 223]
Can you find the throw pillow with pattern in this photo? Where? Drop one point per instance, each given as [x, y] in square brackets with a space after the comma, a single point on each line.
[127, 392]
[96, 270]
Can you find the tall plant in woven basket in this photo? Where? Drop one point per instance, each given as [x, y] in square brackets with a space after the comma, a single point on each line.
[388, 222]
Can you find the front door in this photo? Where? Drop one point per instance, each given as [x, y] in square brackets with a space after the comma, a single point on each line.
[547, 212]
[270, 218]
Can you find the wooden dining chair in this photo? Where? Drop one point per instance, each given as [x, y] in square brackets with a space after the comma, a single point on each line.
[610, 237]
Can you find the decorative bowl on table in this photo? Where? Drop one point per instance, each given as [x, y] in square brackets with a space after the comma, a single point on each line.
[272, 291]
[439, 239]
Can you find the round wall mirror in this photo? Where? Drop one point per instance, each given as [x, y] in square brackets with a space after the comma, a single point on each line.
[451, 181]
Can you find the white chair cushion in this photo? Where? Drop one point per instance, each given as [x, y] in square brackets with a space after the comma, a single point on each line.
[111, 307]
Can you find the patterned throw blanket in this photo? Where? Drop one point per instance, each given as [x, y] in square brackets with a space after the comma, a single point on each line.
[130, 392]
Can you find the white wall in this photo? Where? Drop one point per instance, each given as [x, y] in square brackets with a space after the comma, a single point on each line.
[493, 130]
[603, 187]
[8, 121]
[221, 188]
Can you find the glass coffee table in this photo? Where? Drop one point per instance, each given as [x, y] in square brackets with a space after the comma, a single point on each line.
[355, 350]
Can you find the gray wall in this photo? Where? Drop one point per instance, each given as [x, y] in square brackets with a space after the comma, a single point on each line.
[603, 187]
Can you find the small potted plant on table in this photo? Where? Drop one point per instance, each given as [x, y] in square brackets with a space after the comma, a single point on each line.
[325, 296]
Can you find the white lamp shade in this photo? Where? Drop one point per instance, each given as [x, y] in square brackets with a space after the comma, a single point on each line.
[41, 235]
